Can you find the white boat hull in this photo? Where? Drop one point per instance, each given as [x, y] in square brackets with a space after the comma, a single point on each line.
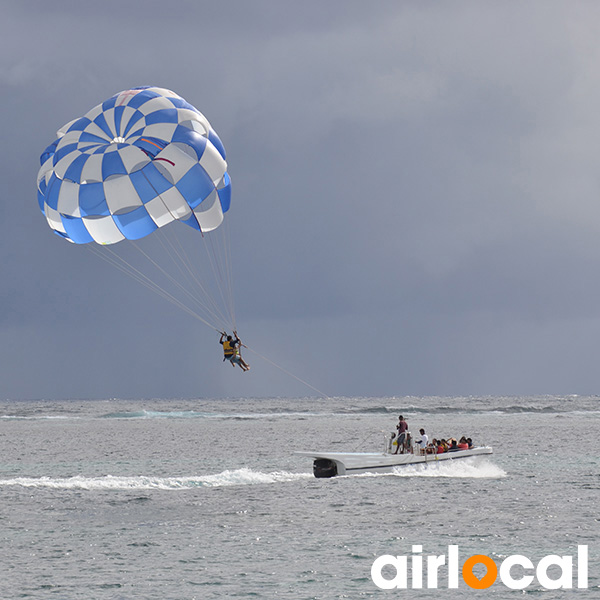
[330, 464]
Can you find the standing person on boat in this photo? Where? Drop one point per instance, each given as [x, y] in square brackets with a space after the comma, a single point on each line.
[402, 428]
[231, 351]
[423, 441]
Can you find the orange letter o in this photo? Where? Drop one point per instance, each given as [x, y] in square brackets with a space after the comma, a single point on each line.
[487, 580]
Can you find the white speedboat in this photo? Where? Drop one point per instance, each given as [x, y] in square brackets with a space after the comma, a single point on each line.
[330, 464]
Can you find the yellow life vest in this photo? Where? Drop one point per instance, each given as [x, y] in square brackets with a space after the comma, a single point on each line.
[228, 349]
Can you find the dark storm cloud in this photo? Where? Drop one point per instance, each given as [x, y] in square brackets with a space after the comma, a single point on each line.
[415, 196]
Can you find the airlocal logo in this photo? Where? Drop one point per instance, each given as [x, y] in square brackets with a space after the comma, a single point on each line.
[398, 567]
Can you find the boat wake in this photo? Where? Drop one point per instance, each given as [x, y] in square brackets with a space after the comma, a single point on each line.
[111, 482]
[476, 468]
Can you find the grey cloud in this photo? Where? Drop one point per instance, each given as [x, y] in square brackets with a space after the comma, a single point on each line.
[415, 197]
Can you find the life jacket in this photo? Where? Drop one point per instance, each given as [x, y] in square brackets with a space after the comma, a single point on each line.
[228, 349]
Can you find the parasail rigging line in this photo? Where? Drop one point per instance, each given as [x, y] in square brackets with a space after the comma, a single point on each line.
[179, 260]
[183, 260]
[221, 269]
[205, 301]
[211, 307]
[229, 270]
[173, 280]
[312, 387]
[122, 265]
[167, 208]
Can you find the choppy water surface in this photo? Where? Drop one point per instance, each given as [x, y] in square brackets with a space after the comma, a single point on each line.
[205, 499]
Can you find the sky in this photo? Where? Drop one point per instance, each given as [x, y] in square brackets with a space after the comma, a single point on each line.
[415, 209]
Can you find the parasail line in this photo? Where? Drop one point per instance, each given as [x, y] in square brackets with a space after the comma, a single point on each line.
[218, 275]
[312, 387]
[225, 236]
[138, 276]
[173, 280]
[169, 247]
[212, 256]
[167, 275]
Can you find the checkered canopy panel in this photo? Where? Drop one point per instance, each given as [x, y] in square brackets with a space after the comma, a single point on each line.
[140, 160]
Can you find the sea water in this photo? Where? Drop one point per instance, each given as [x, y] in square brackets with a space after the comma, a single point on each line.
[183, 499]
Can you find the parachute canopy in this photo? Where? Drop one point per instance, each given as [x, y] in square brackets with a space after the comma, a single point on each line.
[140, 160]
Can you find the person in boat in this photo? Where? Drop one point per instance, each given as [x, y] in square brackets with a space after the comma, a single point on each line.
[470, 443]
[402, 428]
[432, 448]
[463, 444]
[231, 350]
[423, 441]
[453, 445]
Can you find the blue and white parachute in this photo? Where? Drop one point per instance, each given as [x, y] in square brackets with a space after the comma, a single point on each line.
[140, 160]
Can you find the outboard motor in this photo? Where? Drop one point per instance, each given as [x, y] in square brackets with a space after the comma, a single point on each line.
[323, 467]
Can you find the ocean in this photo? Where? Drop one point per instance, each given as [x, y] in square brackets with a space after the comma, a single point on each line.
[205, 499]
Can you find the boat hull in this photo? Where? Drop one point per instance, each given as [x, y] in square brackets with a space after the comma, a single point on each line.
[331, 464]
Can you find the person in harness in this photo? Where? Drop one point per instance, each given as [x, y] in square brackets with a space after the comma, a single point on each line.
[231, 351]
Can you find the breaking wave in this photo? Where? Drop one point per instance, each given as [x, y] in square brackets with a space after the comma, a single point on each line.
[407, 410]
[190, 414]
[155, 414]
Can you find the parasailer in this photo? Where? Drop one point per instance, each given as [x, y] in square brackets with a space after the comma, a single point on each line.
[124, 172]
[231, 350]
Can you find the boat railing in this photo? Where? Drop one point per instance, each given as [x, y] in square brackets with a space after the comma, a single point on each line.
[388, 440]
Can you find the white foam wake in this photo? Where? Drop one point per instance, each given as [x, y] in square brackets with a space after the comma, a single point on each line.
[35, 417]
[474, 467]
[111, 482]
